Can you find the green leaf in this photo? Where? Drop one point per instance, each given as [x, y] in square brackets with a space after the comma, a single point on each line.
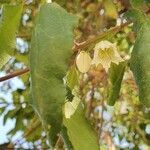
[115, 77]
[8, 27]
[11, 114]
[65, 138]
[5, 1]
[2, 110]
[3, 58]
[69, 95]
[140, 57]
[139, 4]
[72, 80]
[80, 131]
[33, 130]
[51, 45]
[137, 17]
[72, 77]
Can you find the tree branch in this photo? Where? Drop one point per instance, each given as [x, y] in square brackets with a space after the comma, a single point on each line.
[77, 47]
[86, 44]
[14, 74]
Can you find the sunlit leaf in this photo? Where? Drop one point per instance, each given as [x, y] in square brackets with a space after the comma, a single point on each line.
[80, 131]
[72, 77]
[70, 107]
[8, 27]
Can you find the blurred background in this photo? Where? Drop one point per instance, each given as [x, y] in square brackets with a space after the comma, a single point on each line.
[123, 126]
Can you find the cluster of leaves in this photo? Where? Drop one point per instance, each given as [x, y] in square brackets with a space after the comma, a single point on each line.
[51, 44]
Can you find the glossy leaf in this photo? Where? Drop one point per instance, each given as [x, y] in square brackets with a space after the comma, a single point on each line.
[51, 45]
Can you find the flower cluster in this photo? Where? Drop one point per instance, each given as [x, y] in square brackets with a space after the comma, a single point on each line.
[105, 52]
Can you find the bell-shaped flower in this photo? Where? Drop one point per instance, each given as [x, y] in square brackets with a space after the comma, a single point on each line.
[106, 52]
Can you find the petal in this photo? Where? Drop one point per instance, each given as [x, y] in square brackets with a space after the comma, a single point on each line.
[83, 61]
[105, 53]
[96, 60]
[106, 63]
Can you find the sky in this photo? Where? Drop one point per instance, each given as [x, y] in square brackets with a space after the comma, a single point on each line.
[6, 93]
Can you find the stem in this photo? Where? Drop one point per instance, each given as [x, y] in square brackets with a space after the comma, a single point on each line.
[89, 104]
[102, 120]
[58, 141]
[77, 47]
[14, 74]
[113, 30]
[142, 134]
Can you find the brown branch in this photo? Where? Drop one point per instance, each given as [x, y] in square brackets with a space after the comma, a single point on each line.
[113, 30]
[142, 134]
[14, 74]
[58, 141]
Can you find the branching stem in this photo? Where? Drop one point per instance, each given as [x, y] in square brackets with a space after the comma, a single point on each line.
[14, 74]
[86, 44]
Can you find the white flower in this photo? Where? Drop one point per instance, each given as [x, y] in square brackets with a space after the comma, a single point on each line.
[106, 52]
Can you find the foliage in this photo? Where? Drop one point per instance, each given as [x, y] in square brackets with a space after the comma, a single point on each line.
[79, 131]
[49, 43]
[115, 75]
[140, 56]
[11, 14]
[65, 101]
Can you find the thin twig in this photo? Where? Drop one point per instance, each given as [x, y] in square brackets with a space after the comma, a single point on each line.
[58, 141]
[14, 74]
[84, 45]
[142, 134]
